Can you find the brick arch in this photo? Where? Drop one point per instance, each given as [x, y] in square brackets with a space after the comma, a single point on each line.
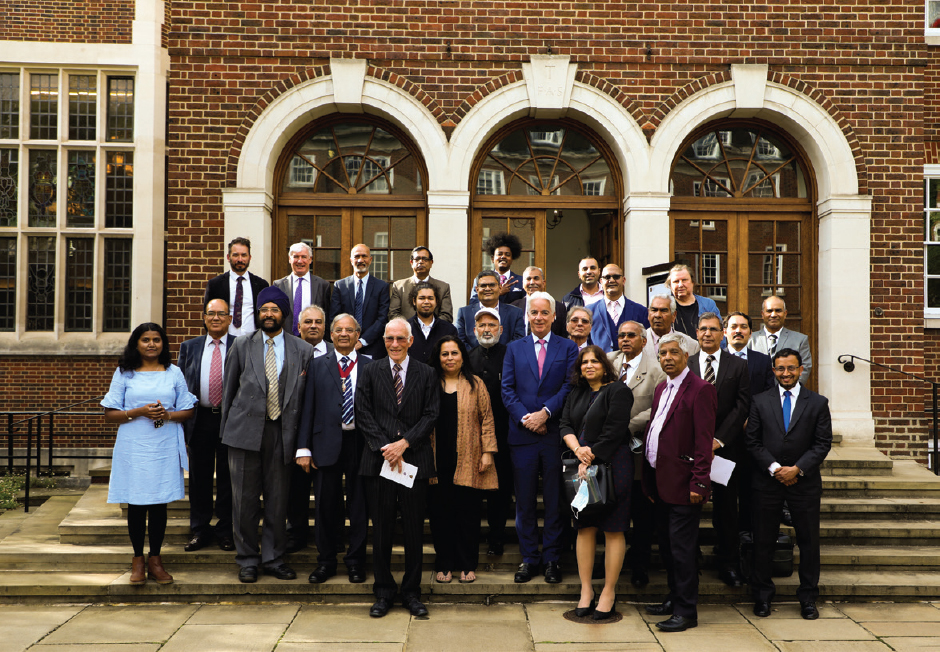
[411, 88]
[488, 88]
[614, 92]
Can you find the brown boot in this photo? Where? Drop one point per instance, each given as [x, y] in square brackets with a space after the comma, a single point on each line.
[138, 576]
[156, 571]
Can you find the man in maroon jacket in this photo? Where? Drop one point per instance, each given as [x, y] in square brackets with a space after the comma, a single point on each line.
[676, 466]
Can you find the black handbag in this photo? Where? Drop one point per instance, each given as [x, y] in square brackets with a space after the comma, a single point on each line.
[600, 487]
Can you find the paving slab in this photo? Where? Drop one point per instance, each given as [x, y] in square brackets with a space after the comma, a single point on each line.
[547, 624]
[824, 629]
[23, 626]
[788, 610]
[476, 633]
[225, 638]
[708, 614]
[136, 624]
[912, 644]
[244, 614]
[597, 647]
[340, 647]
[347, 624]
[99, 647]
[832, 646]
[881, 629]
[715, 638]
[894, 612]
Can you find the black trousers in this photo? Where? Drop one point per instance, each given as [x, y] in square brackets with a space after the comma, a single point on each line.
[677, 527]
[208, 459]
[725, 522]
[455, 525]
[643, 526]
[298, 503]
[385, 498]
[329, 509]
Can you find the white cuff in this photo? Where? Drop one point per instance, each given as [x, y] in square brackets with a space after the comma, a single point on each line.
[773, 468]
[303, 452]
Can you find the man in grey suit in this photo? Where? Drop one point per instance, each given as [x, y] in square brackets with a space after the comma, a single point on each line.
[262, 396]
[421, 262]
[775, 337]
[301, 286]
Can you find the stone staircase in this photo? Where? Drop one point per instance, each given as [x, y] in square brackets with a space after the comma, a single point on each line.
[880, 541]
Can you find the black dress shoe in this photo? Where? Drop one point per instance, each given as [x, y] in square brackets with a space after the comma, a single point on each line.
[582, 612]
[639, 578]
[414, 605]
[525, 572]
[296, 544]
[356, 574]
[677, 624]
[604, 615]
[761, 609]
[664, 609]
[282, 572]
[225, 541]
[198, 542]
[248, 574]
[731, 577]
[809, 611]
[380, 608]
[785, 516]
[495, 549]
[321, 574]
[553, 572]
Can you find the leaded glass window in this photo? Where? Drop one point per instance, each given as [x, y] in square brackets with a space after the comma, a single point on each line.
[44, 107]
[40, 298]
[120, 109]
[43, 184]
[83, 103]
[80, 204]
[9, 105]
[117, 284]
[119, 190]
[9, 180]
[79, 279]
[7, 284]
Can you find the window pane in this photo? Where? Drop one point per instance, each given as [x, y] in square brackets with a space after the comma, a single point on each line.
[120, 109]
[403, 233]
[9, 105]
[117, 285]
[119, 191]
[9, 177]
[79, 278]
[933, 292]
[7, 284]
[933, 260]
[42, 187]
[83, 101]
[44, 107]
[40, 297]
[80, 200]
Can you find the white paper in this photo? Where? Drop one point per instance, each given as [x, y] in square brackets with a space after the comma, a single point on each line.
[721, 470]
[406, 477]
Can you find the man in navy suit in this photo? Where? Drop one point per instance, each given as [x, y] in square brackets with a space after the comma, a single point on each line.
[425, 327]
[366, 298]
[535, 384]
[232, 288]
[511, 318]
[503, 249]
[202, 361]
[613, 310]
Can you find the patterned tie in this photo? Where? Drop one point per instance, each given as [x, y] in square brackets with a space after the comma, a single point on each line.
[298, 306]
[399, 385]
[347, 393]
[624, 372]
[786, 410]
[215, 375]
[239, 298]
[613, 309]
[270, 371]
[773, 344]
[709, 369]
[359, 299]
[542, 348]
[741, 355]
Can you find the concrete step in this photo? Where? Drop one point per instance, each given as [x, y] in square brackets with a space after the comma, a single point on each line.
[856, 460]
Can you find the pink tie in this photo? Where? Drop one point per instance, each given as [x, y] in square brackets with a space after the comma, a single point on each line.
[613, 308]
[215, 375]
[541, 356]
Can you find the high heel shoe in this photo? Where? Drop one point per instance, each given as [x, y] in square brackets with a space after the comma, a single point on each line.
[583, 612]
[604, 615]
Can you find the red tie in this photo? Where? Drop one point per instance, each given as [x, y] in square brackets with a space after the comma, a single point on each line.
[541, 356]
[215, 375]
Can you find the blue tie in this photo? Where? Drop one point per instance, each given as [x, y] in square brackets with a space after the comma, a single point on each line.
[359, 302]
[347, 393]
[786, 410]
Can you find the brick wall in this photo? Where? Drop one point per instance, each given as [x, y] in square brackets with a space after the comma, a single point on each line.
[67, 21]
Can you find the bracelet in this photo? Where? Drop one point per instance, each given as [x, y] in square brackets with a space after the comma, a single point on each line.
[129, 417]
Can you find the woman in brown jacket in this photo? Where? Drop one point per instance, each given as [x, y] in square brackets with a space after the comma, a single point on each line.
[464, 444]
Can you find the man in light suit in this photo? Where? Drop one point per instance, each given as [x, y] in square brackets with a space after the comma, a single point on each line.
[329, 447]
[533, 280]
[729, 375]
[613, 310]
[789, 435]
[676, 466]
[397, 404]
[536, 372]
[511, 318]
[202, 361]
[263, 390]
[773, 336]
[425, 327]
[241, 297]
[366, 298]
[421, 262]
[301, 286]
[690, 305]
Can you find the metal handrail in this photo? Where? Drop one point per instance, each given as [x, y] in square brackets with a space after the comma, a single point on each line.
[846, 360]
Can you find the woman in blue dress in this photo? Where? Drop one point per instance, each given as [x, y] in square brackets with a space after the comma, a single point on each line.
[150, 400]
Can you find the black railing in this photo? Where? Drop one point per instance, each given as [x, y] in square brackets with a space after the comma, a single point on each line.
[846, 360]
[34, 425]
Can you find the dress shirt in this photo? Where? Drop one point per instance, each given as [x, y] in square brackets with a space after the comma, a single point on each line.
[206, 368]
[741, 354]
[404, 369]
[589, 297]
[793, 394]
[365, 288]
[426, 328]
[319, 349]
[702, 361]
[247, 307]
[656, 425]
[535, 340]
[278, 349]
[353, 375]
[632, 366]
[620, 302]
[304, 293]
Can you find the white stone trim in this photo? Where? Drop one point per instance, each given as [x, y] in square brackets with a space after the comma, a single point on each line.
[549, 79]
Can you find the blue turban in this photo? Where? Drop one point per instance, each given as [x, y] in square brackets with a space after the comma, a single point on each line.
[274, 295]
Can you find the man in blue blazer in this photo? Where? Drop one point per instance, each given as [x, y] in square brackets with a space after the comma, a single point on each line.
[535, 384]
[604, 326]
[366, 298]
[511, 319]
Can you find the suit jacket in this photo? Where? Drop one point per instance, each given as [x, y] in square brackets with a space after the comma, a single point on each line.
[573, 298]
[687, 432]
[786, 339]
[245, 390]
[399, 306]
[524, 392]
[487, 364]
[760, 370]
[381, 420]
[218, 288]
[559, 326]
[321, 420]
[516, 293]
[805, 444]
[422, 346]
[319, 295]
[510, 318]
[604, 330]
[374, 310]
[190, 363]
[647, 376]
[606, 421]
[691, 343]
[733, 384]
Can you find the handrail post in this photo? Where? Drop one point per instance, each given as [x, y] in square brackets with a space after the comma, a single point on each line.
[51, 427]
[935, 453]
[38, 446]
[29, 452]
[10, 442]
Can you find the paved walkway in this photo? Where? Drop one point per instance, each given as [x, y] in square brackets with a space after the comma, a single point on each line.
[842, 627]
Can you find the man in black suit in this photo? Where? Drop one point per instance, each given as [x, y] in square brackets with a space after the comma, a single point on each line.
[302, 287]
[425, 327]
[730, 377]
[366, 298]
[397, 403]
[789, 434]
[232, 284]
[329, 447]
[202, 361]
[533, 280]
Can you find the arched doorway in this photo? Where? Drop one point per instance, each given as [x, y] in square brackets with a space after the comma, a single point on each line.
[742, 217]
[349, 179]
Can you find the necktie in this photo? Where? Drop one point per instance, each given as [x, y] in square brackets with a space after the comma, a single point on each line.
[709, 369]
[399, 385]
[347, 393]
[741, 355]
[786, 410]
[270, 372]
[541, 356]
[215, 375]
[239, 298]
[624, 371]
[613, 308]
[298, 305]
[773, 343]
[359, 302]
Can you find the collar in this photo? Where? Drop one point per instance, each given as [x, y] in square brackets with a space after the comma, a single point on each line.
[416, 280]
[321, 347]
[305, 277]
[352, 355]
[635, 362]
[364, 279]
[547, 337]
[404, 364]
[735, 353]
[622, 300]
[675, 382]
[794, 393]
[600, 290]
[278, 339]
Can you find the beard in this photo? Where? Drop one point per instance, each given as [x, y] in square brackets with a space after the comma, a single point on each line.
[487, 341]
[267, 328]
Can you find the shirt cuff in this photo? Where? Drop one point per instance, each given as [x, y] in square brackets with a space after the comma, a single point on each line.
[773, 468]
[548, 411]
[303, 452]
[364, 343]
[721, 444]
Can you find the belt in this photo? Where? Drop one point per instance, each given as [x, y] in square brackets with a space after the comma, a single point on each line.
[212, 410]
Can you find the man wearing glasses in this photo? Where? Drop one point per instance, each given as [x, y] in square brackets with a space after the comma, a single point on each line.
[511, 318]
[613, 310]
[579, 326]
[422, 260]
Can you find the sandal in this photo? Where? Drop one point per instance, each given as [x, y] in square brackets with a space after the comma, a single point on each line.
[444, 578]
[468, 577]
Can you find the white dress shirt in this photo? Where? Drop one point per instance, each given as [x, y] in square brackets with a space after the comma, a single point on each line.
[656, 425]
[206, 368]
[247, 307]
[793, 394]
[353, 375]
[305, 299]
[404, 369]
[632, 366]
[426, 328]
[320, 349]
[702, 360]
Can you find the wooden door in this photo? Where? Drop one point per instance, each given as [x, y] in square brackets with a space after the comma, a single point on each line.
[527, 224]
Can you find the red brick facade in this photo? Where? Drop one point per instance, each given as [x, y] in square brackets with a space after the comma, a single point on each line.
[67, 21]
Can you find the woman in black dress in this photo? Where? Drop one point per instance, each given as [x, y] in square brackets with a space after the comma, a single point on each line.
[595, 425]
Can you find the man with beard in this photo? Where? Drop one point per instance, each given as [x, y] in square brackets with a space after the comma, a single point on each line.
[503, 249]
[589, 291]
[232, 284]
[425, 327]
[302, 287]
[262, 396]
[512, 319]
[366, 298]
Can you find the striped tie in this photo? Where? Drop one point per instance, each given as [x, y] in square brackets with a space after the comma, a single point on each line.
[215, 375]
[772, 339]
[270, 371]
[347, 393]
[709, 369]
[399, 385]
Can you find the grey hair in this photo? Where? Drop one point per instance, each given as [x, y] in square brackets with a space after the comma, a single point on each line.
[541, 271]
[587, 312]
[312, 306]
[540, 295]
[297, 245]
[345, 315]
[399, 320]
[668, 297]
[674, 337]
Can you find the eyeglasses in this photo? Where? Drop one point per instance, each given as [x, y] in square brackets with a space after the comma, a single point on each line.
[273, 311]
[396, 338]
[216, 313]
[420, 259]
[620, 336]
[345, 330]
[709, 329]
[612, 277]
[791, 369]
[579, 320]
